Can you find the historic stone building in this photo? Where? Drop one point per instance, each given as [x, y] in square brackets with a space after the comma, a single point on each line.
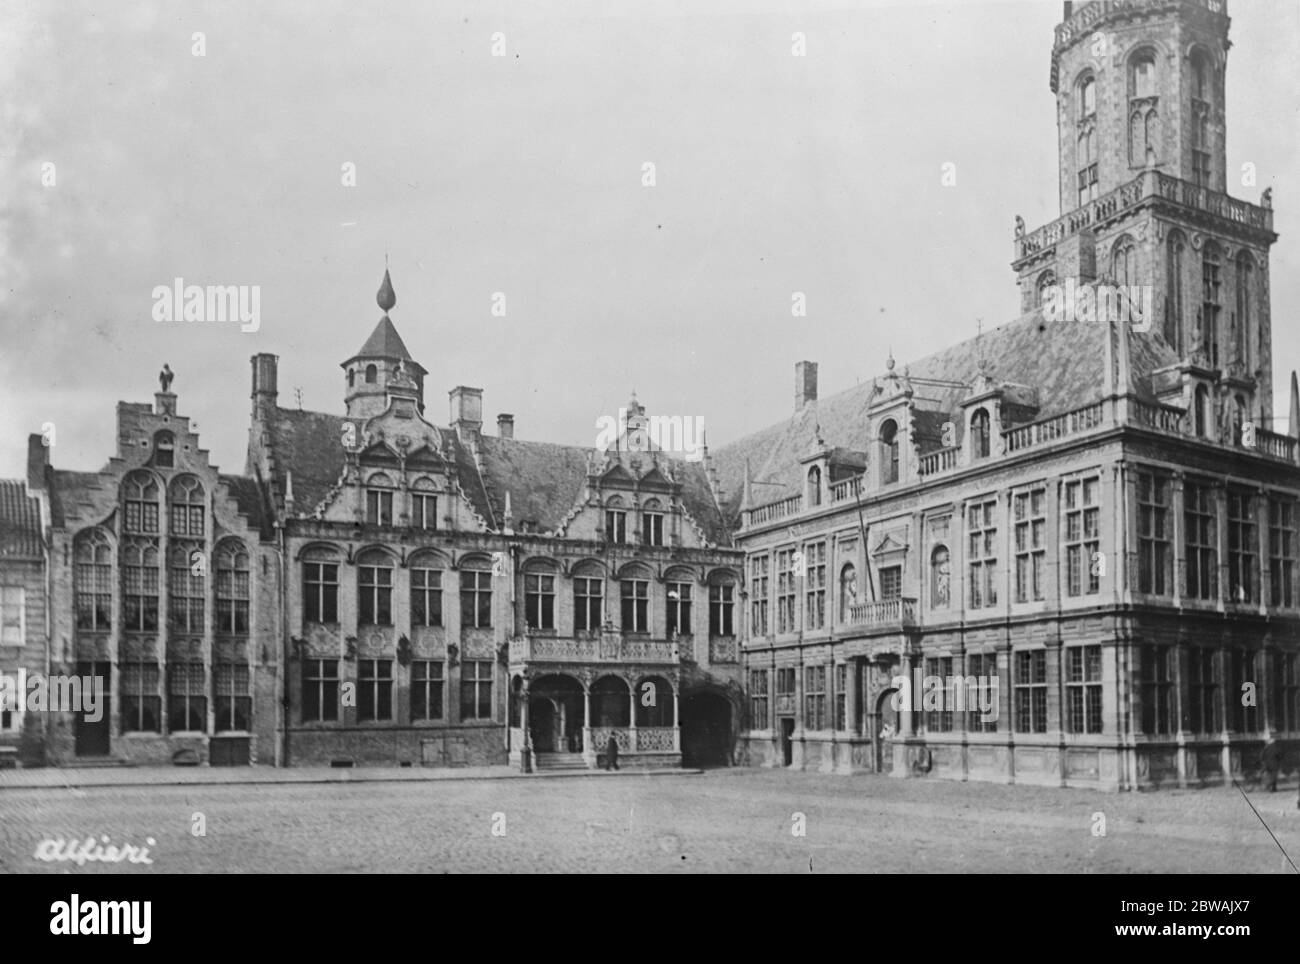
[22, 621]
[1087, 524]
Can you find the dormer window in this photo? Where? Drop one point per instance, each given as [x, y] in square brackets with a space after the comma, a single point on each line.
[615, 521]
[379, 500]
[164, 450]
[814, 486]
[979, 433]
[889, 452]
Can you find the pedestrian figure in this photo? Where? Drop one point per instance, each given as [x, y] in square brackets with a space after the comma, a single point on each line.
[611, 753]
[1272, 763]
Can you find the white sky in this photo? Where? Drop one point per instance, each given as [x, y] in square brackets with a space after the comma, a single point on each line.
[522, 174]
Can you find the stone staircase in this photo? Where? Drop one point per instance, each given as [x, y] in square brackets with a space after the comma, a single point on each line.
[552, 762]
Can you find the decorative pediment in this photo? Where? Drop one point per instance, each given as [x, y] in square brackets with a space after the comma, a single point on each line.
[892, 542]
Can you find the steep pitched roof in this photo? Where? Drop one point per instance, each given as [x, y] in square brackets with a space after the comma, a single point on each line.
[20, 522]
[1062, 359]
[384, 342]
[247, 495]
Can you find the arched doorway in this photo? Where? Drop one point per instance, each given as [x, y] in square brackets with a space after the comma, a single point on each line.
[884, 724]
[555, 710]
[706, 730]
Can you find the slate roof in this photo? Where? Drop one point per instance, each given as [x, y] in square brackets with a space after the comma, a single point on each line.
[20, 522]
[247, 495]
[384, 342]
[1062, 359]
[545, 480]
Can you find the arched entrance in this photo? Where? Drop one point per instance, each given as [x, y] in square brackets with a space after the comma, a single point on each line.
[555, 714]
[884, 723]
[706, 730]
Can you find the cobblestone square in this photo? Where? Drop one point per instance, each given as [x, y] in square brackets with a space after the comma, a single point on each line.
[736, 821]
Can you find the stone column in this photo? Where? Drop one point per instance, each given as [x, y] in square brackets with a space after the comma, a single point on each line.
[677, 721]
[526, 753]
[631, 718]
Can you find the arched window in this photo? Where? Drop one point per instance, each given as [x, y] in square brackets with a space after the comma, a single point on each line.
[1241, 330]
[1045, 281]
[1202, 77]
[164, 450]
[848, 591]
[372, 374]
[93, 581]
[1087, 96]
[979, 431]
[232, 588]
[1142, 74]
[940, 577]
[140, 495]
[1144, 118]
[379, 500]
[352, 376]
[375, 588]
[1211, 300]
[814, 486]
[1202, 406]
[615, 520]
[1176, 251]
[186, 587]
[889, 451]
[140, 586]
[610, 702]
[424, 504]
[187, 507]
[652, 523]
[1124, 261]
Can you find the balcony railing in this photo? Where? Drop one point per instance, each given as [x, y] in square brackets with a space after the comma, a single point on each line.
[774, 511]
[889, 612]
[1088, 16]
[1274, 445]
[940, 461]
[847, 489]
[1162, 418]
[1051, 429]
[644, 739]
[1148, 184]
[606, 648]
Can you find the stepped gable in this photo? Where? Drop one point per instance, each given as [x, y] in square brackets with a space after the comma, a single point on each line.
[1063, 360]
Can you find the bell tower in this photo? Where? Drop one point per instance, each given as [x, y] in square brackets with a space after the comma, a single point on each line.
[383, 366]
[1144, 206]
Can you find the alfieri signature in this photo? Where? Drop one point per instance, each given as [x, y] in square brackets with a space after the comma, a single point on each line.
[80, 852]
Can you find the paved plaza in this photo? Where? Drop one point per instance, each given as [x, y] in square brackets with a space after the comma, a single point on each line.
[716, 821]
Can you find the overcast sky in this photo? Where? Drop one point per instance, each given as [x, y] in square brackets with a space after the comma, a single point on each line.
[522, 174]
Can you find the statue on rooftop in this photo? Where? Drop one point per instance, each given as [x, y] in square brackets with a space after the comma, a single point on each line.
[165, 378]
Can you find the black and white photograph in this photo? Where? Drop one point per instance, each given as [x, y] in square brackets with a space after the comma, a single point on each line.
[400, 473]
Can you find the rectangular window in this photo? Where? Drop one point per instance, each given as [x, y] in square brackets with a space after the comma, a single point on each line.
[232, 594]
[891, 582]
[1286, 692]
[140, 598]
[652, 528]
[424, 511]
[1031, 691]
[984, 667]
[721, 609]
[587, 603]
[320, 592]
[814, 697]
[141, 704]
[1082, 538]
[426, 689]
[426, 597]
[379, 507]
[233, 704]
[815, 585]
[94, 592]
[937, 668]
[1200, 520]
[539, 600]
[785, 591]
[375, 589]
[982, 553]
[1155, 684]
[1154, 556]
[1243, 547]
[141, 517]
[476, 689]
[320, 690]
[841, 696]
[615, 526]
[1281, 552]
[758, 576]
[187, 701]
[1244, 669]
[11, 615]
[185, 594]
[374, 690]
[1202, 712]
[1083, 688]
[679, 608]
[475, 599]
[636, 603]
[1030, 534]
[758, 718]
[187, 520]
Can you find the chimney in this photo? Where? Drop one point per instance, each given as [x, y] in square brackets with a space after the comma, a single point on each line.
[264, 390]
[466, 410]
[805, 384]
[505, 425]
[38, 460]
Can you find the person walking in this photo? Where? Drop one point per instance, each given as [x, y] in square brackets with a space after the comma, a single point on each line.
[1272, 760]
[611, 753]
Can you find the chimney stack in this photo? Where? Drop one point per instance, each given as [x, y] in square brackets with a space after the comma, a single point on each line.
[264, 389]
[805, 384]
[505, 425]
[466, 410]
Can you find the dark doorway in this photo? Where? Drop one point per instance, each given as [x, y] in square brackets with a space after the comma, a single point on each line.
[93, 737]
[555, 714]
[787, 741]
[706, 730]
[541, 724]
[884, 724]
